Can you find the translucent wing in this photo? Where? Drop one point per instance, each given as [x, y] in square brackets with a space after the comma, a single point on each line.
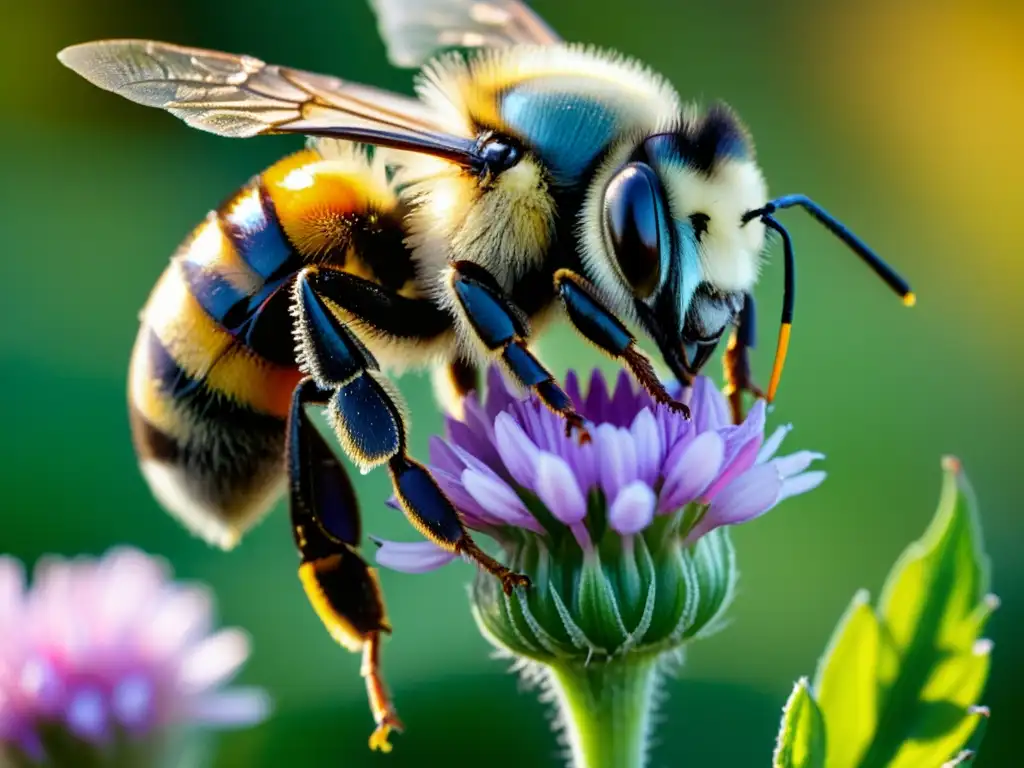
[241, 96]
[414, 30]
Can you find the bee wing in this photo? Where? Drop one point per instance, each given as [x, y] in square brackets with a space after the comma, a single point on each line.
[241, 96]
[414, 30]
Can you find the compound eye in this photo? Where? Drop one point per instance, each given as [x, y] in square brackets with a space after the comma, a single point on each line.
[634, 223]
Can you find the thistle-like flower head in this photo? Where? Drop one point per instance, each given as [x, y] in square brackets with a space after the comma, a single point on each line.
[623, 537]
[102, 661]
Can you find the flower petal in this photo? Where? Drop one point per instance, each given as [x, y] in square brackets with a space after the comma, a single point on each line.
[474, 439]
[597, 402]
[443, 456]
[557, 488]
[214, 661]
[794, 486]
[572, 389]
[133, 701]
[412, 556]
[495, 497]
[689, 469]
[633, 508]
[748, 496]
[795, 463]
[184, 614]
[647, 441]
[87, 714]
[625, 402]
[499, 396]
[234, 708]
[519, 452]
[616, 455]
[742, 444]
[771, 445]
[708, 407]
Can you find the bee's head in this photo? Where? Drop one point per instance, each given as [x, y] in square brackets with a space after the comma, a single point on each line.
[672, 230]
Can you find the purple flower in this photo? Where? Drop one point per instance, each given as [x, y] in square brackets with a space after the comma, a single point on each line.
[644, 461]
[111, 655]
[623, 537]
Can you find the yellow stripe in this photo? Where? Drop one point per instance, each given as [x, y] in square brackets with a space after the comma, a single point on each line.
[780, 361]
[158, 408]
[210, 249]
[316, 199]
[341, 629]
[196, 342]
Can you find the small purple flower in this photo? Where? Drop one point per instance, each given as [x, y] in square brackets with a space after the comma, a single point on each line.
[109, 655]
[644, 460]
[611, 531]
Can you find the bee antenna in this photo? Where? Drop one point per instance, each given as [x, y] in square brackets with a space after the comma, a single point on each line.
[837, 228]
[788, 301]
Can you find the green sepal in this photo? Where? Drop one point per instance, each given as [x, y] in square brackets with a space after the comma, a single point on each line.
[642, 593]
[801, 741]
[898, 685]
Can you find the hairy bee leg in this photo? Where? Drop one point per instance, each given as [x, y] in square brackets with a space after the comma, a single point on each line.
[340, 586]
[599, 326]
[736, 360]
[363, 410]
[503, 329]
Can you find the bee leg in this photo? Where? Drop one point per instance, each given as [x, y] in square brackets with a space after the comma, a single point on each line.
[737, 360]
[599, 326]
[362, 406]
[341, 587]
[503, 329]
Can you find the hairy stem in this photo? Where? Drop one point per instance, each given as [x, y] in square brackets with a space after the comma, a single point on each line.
[606, 709]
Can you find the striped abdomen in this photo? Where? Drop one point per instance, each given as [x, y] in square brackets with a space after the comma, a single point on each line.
[213, 366]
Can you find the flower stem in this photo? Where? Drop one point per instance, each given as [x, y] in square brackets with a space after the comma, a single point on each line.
[606, 708]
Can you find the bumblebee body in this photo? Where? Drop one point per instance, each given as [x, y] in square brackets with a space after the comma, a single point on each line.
[214, 365]
[528, 178]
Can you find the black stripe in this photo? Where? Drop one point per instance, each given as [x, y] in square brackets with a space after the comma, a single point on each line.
[225, 303]
[250, 221]
[151, 442]
[195, 396]
[379, 242]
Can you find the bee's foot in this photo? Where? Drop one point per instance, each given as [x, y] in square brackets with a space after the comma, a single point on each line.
[573, 421]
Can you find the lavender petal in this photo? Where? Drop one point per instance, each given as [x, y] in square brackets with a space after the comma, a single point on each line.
[708, 407]
[748, 496]
[690, 468]
[557, 488]
[597, 402]
[616, 455]
[516, 450]
[235, 708]
[794, 486]
[742, 444]
[412, 556]
[633, 508]
[647, 441]
[495, 498]
[771, 445]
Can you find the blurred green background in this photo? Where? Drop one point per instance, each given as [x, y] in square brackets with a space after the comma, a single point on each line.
[902, 118]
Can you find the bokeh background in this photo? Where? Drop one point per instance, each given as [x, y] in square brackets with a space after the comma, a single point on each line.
[902, 117]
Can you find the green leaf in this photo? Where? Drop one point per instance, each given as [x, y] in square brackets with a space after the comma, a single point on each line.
[843, 690]
[801, 742]
[898, 685]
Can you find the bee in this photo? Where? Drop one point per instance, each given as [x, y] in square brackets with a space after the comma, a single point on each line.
[528, 178]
